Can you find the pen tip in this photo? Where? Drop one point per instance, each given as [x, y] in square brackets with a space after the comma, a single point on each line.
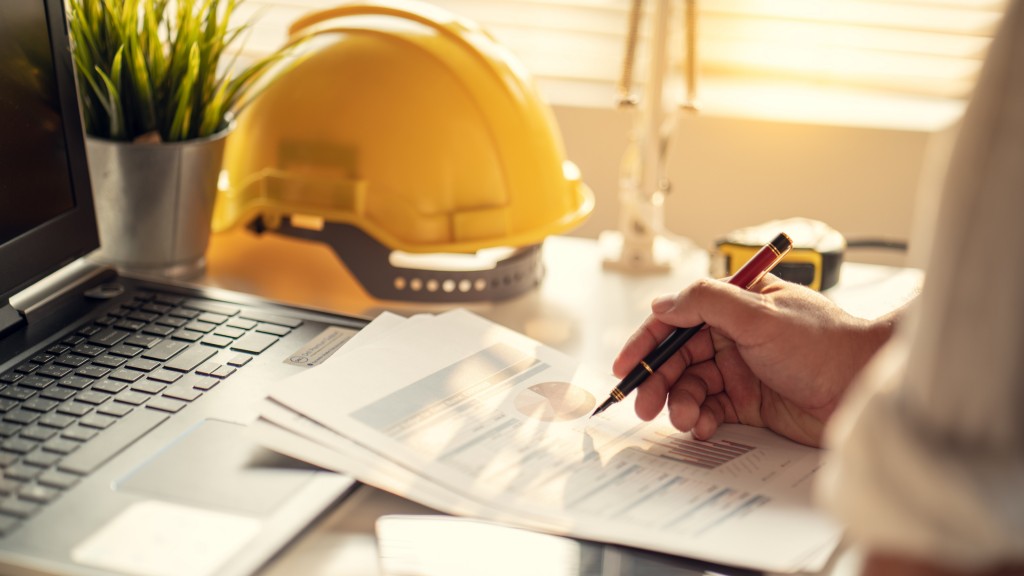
[603, 407]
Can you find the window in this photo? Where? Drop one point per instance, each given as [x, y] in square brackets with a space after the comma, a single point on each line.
[805, 57]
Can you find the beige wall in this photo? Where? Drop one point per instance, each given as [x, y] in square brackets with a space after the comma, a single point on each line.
[733, 172]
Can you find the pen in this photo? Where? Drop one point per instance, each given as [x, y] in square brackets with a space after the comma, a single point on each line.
[760, 264]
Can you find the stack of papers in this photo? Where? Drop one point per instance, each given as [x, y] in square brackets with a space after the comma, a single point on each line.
[470, 418]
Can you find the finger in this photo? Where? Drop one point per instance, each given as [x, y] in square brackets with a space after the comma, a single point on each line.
[651, 395]
[716, 410]
[728, 308]
[639, 344]
[741, 384]
[687, 396]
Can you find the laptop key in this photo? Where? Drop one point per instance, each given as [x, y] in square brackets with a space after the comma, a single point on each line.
[273, 329]
[223, 371]
[18, 508]
[40, 404]
[254, 343]
[109, 360]
[158, 330]
[93, 371]
[217, 341]
[136, 341]
[8, 524]
[17, 393]
[76, 382]
[9, 486]
[22, 472]
[108, 337]
[149, 386]
[190, 358]
[42, 458]
[261, 316]
[91, 397]
[38, 433]
[109, 386]
[74, 408]
[79, 433]
[207, 306]
[58, 393]
[89, 330]
[35, 381]
[142, 365]
[131, 397]
[111, 441]
[61, 445]
[21, 416]
[183, 392]
[164, 376]
[164, 351]
[19, 445]
[55, 370]
[55, 420]
[99, 421]
[37, 493]
[212, 318]
[68, 359]
[125, 375]
[115, 409]
[10, 377]
[57, 479]
[88, 350]
[165, 404]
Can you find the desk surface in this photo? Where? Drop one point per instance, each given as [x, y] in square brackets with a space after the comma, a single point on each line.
[580, 308]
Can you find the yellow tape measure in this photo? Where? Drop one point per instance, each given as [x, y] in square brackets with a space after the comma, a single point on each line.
[814, 261]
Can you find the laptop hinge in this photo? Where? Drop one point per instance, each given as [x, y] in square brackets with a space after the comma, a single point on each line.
[10, 318]
[51, 290]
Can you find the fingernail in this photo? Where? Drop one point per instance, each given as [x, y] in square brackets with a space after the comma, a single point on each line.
[663, 304]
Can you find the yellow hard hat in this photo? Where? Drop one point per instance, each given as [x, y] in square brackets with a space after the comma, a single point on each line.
[410, 124]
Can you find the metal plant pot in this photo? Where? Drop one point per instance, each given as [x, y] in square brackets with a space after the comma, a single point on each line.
[154, 202]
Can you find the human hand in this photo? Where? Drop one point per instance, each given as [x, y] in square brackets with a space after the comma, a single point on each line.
[778, 356]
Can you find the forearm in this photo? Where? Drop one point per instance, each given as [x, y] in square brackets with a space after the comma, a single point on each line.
[882, 564]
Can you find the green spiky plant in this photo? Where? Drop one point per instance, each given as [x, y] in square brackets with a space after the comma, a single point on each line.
[153, 70]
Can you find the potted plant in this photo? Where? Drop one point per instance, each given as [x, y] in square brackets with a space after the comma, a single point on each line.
[159, 84]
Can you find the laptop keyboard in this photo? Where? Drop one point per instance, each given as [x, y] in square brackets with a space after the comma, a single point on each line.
[83, 398]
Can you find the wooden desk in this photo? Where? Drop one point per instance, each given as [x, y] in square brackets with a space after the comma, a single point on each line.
[580, 308]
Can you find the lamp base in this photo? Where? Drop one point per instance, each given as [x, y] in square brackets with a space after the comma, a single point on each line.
[632, 257]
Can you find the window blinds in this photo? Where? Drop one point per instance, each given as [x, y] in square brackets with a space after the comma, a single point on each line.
[923, 49]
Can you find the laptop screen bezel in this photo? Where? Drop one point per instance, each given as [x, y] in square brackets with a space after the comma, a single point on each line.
[72, 234]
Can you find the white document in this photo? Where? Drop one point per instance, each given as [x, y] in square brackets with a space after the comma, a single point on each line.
[471, 418]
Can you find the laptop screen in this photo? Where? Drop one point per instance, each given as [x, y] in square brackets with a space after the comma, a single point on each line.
[46, 212]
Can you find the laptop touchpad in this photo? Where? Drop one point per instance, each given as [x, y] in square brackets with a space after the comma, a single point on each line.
[215, 465]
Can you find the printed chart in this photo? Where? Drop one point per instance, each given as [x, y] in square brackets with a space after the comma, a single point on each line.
[554, 402]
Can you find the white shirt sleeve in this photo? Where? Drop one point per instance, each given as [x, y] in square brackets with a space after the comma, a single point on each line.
[927, 452]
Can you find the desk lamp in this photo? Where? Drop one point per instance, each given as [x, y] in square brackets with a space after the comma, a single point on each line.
[643, 182]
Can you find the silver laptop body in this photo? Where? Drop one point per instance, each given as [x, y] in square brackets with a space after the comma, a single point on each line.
[123, 401]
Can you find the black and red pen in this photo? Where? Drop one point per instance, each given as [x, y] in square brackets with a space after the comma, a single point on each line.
[760, 264]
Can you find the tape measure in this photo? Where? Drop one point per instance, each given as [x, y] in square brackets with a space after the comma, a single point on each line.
[814, 261]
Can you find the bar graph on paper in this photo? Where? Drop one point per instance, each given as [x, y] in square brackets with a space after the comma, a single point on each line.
[703, 454]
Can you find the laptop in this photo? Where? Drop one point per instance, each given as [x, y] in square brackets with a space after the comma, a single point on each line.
[124, 400]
